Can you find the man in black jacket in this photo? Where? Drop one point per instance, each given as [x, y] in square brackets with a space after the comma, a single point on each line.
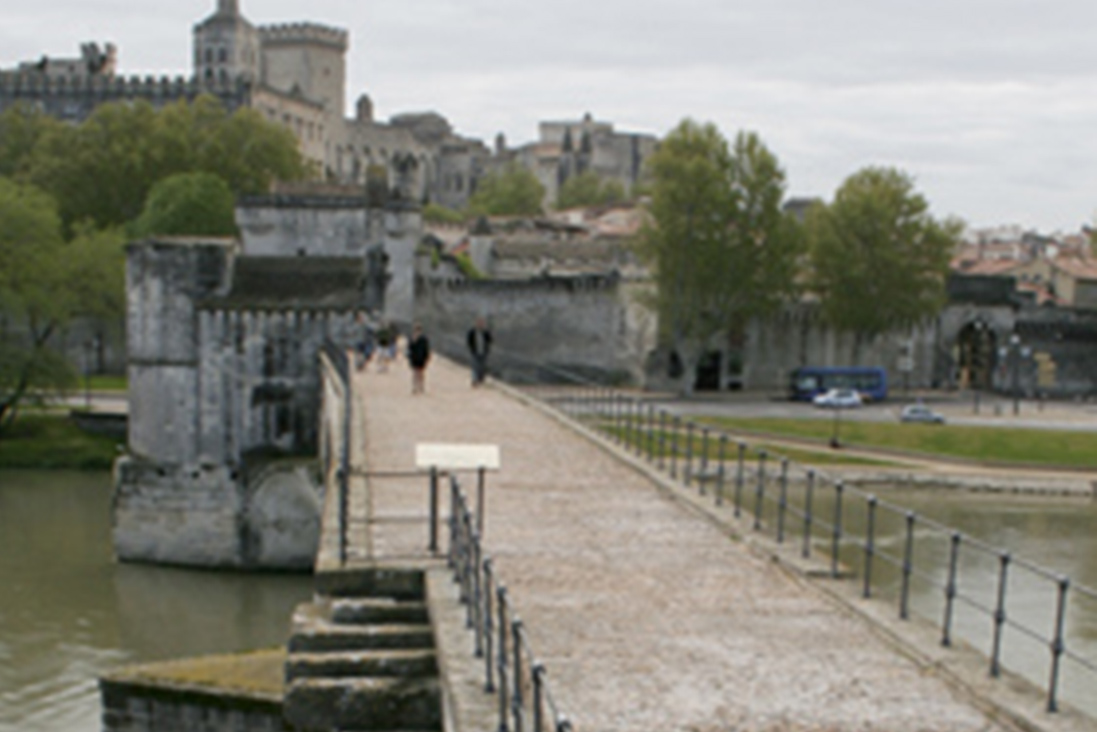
[479, 343]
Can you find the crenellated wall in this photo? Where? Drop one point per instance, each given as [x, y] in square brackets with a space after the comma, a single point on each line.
[75, 98]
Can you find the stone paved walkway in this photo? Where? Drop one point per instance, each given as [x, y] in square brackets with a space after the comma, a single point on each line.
[646, 615]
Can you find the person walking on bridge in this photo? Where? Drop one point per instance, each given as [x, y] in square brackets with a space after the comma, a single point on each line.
[418, 356]
[479, 343]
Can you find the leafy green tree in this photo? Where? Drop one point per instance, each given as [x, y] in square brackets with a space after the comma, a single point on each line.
[879, 259]
[720, 247]
[198, 204]
[44, 282]
[589, 189]
[514, 191]
[21, 126]
[102, 169]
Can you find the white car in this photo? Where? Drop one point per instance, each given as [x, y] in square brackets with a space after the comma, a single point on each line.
[838, 399]
[920, 413]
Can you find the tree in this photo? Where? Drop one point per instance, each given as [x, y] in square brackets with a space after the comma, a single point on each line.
[197, 204]
[879, 259]
[589, 189]
[21, 126]
[720, 247]
[103, 169]
[44, 281]
[514, 191]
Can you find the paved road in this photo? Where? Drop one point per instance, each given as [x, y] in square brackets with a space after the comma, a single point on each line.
[645, 613]
[993, 411]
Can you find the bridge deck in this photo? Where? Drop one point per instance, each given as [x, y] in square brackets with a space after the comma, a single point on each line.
[646, 614]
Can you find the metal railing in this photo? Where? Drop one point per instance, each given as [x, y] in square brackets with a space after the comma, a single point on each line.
[856, 531]
[511, 668]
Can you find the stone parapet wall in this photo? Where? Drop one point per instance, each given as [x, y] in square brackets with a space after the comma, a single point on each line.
[129, 707]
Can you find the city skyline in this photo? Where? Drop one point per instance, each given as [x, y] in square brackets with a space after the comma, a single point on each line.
[991, 122]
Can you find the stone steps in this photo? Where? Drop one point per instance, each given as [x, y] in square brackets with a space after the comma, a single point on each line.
[362, 657]
[415, 663]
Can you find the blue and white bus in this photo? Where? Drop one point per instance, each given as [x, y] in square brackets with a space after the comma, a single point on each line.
[806, 382]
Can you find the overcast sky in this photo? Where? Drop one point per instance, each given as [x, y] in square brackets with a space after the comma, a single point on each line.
[990, 105]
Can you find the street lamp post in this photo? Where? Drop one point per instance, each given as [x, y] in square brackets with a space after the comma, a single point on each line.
[1017, 352]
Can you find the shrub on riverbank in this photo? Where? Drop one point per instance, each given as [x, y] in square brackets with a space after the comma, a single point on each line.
[43, 441]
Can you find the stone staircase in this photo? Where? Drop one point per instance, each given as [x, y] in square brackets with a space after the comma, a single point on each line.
[362, 657]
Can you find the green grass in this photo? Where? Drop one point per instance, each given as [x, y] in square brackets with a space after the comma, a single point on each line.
[796, 454]
[1035, 447]
[105, 383]
[42, 441]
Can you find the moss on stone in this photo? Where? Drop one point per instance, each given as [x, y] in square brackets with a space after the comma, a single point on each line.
[258, 673]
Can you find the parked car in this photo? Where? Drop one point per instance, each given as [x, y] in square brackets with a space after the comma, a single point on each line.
[920, 413]
[838, 399]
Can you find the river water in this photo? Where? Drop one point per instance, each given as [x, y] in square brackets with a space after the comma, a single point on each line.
[69, 613]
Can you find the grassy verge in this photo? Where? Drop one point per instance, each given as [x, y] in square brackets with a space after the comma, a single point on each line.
[106, 383]
[1034, 447]
[661, 443]
[43, 441]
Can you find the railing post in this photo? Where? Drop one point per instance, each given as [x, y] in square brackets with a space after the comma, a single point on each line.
[688, 472]
[639, 436]
[870, 546]
[1058, 647]
[809, 492]
[740, 477]
[759, 492]
[504, 684]
[434, 510]
[480, 477]
[344, 504]
[999, 615]
[489, 620]
[950, 589]
[720, 476]
[836, 537]
[908, 569]
[704, 461]
[538, 674]
[782, 502]
[517, 699]
[477, 596]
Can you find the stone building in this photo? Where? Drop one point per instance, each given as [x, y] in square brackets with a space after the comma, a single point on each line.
[295, 75]
[223, 339]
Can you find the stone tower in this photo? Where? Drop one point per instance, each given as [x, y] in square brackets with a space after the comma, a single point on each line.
[307, 60]
[226, 47]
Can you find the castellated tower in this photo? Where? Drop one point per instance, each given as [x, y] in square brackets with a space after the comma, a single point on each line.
[308, 60]
[226, 47]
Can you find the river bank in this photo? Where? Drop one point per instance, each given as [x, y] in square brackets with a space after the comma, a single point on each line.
[55, 441]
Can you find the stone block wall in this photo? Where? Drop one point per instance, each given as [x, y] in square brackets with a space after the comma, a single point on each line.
[588, 325]
[147, 707]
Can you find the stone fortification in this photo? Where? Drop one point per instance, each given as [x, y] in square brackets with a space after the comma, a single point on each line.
[73, 99]
[305, 34]
[584, 324]
[223, 377]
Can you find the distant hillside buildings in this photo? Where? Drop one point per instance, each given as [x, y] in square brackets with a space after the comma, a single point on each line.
[295, 74]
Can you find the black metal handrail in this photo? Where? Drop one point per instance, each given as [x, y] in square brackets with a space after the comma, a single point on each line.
[850, 527]
[511, 668]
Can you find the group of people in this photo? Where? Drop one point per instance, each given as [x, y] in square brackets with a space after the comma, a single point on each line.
[383, 342]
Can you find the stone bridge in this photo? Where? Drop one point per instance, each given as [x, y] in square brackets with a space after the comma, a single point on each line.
[644, 607]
